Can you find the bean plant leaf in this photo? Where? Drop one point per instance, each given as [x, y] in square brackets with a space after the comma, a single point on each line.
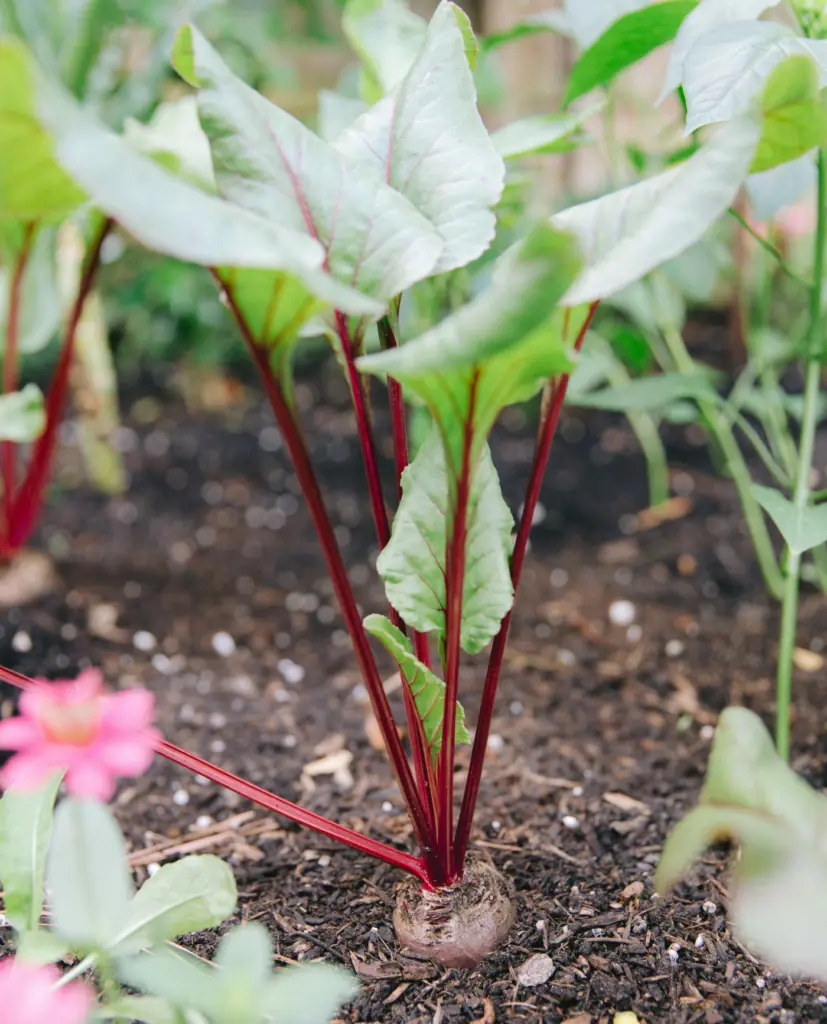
[657, 392]
[243, 988]
[25, 830]
[587, 22]
[428, 690]
[497, 350]
[626, 234]
[628, 40]
[707, 16]
[726, 69]
[371, 237]
[427, 140]
[388, 36]
[22, 417]
[87, 875]
[543, 133]
[40, 946]
[544, 21]
[794, 114]
[413, 564]
[192, 894]
[146, 1009]
[337, 112]
[802, 528]
[754, 798]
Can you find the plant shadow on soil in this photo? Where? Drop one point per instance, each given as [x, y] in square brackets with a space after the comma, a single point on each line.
[599, 742]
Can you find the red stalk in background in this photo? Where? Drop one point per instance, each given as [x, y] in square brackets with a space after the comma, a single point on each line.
[271, 802]
[549, 417]
[454, 585]
[28, 500]
[412, 793]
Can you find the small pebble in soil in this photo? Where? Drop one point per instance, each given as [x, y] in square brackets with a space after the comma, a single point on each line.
[203, 821]
[152, 869]
[324, 861]
[566, 657]
[707, 732]
[144, 641]
[709, 907]
[223, 644]
[218, 746]
[535, 971]
[761, 982]
[674, 952]
[674, 648]
[217, 720]
[290, 671]
[516, 707]
[570, 821]
[496, 826]
[699, 942]
[180, 797]
[495, 742]
[387, 807]
[634, 634]
[622, 613]
[559, 578]
[577, 791]
[22, 642]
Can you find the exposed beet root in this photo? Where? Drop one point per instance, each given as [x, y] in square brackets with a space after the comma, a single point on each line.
[29, 576]
[457, 926]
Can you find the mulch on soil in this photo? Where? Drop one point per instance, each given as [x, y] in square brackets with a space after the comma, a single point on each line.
[204, 583]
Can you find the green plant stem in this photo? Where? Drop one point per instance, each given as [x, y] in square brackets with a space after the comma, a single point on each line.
[768, 247]
[86, 964]
[801, 495]
[721, 430]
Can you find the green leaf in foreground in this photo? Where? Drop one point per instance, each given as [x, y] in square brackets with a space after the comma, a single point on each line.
[192, 894]
[388, 36]
[25, 831]
[21, 415]
[413, 564]
[497, 350]
[628, 233]
[794, 114]
[779, 890]
[802, 528]
[87, 875]
[428, 690]
[243, 987]
[626, 42]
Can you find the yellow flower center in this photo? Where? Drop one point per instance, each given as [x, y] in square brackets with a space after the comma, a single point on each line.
[76, 724]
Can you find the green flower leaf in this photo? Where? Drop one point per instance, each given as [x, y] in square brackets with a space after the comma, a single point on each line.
[25, 830]
[413, 564]
[629, 233]
[192, 894]
[802, 528]
[22, 417]
[87, 877]
[497, 350]
[794, 114]
[427, 689]
[626, 42]
[371, 237]
[428, 142]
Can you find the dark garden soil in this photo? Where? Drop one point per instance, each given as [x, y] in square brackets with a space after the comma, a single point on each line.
[205, 584]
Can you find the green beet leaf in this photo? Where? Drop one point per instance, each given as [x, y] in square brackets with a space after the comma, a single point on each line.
[146, 1009]
[427, 140]
[497, 350]
[413, 564]
[427, 689]
[25, 832]
[779, 891]
[192, 894]
[802, 528]
[627, 234]
[726, 69]
[388, 36]
[87, 877]
[542, 134]
[40, 311]
[243, 988]
[372, 238]
[794, 115]
[649, 393]
[626, 42]
[21, 415]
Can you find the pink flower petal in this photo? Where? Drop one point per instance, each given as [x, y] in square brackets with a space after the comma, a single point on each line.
[88, 778]
[18, 732]
[128, 710]
[28, 996]
[26, 771]
[129, 756]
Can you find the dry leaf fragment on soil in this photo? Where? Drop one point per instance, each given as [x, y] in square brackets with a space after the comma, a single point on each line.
[627, 1017]
[633, 891]
[488, 1015]
[626, 803]
[536, 970]
[337, 765]
[807, 661]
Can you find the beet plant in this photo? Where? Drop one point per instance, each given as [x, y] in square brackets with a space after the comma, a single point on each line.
[309, 236]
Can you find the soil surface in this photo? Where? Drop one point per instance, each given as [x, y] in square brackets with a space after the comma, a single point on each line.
[205, 584]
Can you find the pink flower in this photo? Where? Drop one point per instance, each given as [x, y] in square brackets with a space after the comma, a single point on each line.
[28, 995]
[77, 727]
